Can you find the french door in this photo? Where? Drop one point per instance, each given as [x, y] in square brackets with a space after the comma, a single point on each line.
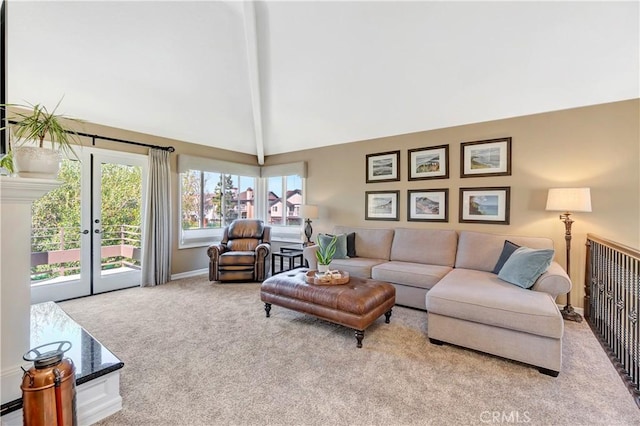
[87, 235]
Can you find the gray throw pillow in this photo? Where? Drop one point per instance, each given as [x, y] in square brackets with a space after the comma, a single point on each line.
[341, 244]
[525, 265]
[507, 251]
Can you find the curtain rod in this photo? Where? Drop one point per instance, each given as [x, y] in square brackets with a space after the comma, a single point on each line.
[106, 138]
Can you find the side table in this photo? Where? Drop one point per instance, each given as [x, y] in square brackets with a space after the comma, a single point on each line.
[293, 256]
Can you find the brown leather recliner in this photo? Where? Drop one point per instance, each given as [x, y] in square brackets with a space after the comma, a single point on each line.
[242, 253]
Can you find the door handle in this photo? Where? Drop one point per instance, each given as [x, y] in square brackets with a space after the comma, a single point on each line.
[86, 231]
[97, 231]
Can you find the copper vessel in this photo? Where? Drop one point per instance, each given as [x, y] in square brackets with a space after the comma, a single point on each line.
[49, 387]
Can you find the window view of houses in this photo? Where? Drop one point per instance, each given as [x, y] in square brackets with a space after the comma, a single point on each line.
[214, 200]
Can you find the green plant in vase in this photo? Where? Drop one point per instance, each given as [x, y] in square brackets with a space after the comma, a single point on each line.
[30, 130]
[325, 252]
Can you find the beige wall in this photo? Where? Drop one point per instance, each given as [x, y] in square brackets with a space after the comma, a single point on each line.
[597, 147]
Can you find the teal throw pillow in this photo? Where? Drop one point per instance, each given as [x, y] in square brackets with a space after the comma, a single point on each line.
[341, 244]
[525, 266]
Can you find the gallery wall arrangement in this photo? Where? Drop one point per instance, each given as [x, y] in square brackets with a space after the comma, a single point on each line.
[483, 158]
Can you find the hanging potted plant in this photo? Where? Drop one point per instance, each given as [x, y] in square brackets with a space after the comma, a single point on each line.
[325, 253]
[30, 130]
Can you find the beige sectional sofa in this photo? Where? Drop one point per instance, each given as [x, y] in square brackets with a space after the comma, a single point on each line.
[449, 274]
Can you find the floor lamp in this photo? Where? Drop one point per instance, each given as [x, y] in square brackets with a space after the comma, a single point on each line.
[308, 211]
[569, 200]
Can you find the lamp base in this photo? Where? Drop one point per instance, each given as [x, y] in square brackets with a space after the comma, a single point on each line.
[308, 231]
[570, 314]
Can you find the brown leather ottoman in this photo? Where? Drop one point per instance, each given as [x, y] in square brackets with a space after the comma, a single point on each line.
[356, 304]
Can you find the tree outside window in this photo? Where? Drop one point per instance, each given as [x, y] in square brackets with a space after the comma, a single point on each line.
[214, 200]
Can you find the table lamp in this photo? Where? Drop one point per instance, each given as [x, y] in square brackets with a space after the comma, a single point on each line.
[308, 211]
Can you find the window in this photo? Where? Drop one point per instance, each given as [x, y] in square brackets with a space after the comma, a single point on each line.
[284, 194]
[214, 193]
[211, 199]
[285, 198]
[214, 200]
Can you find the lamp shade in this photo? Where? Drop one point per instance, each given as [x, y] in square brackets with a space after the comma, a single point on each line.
[569, 199]
[309, 211]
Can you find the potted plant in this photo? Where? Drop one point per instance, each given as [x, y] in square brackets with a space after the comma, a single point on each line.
[31, 160]
[325, 253]
[6, 162]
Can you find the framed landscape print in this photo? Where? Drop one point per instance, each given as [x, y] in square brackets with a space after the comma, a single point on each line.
[383, 167]
[485, 158]
[485, 205]
[428, 205]
[381, 205]
[429, 163]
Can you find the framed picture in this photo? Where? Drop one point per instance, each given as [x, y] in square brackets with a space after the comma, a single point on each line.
[485, 158]
[381, 205]
[383, 167]
[428, 205]
[429, 163]
[485, 205]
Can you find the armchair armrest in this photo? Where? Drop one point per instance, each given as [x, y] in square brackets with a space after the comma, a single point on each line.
[214, 251]
[309, 254]
[262, 251]
[554, 281]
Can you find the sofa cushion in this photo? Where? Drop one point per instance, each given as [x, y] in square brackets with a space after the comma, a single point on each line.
[412, 274]
[341, 244]
[358, 266]
[481, 251]
[428, 246]
[369, 242]
[525, 265]
[482, 297]
[507, 251]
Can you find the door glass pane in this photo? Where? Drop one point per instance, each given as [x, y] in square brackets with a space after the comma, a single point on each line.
[56, 232]
[121, 210]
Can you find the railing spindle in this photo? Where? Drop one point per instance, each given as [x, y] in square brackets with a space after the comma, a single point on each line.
[612, 291]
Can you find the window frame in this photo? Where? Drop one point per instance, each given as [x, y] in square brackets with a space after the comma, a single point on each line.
[204, 236]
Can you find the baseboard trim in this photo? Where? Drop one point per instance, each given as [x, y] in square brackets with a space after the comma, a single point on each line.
[189, 274]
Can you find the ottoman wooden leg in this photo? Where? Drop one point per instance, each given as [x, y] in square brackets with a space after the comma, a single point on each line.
[359, 337]
[267, 309]
[387, 316]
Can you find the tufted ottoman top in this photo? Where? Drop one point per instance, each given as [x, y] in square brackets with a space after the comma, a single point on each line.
[359, 296]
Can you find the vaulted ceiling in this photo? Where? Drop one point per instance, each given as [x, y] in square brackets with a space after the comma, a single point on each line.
[271, 77]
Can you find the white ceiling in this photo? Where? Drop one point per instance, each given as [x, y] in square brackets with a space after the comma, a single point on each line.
[322, 73]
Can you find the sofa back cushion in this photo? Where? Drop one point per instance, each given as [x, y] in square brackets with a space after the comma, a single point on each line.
[481, 251]
[369, 242]
[427, 246]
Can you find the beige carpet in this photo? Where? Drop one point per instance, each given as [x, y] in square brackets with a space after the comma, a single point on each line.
[203, 353]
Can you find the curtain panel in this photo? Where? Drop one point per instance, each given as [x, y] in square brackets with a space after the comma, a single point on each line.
[156, 264]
